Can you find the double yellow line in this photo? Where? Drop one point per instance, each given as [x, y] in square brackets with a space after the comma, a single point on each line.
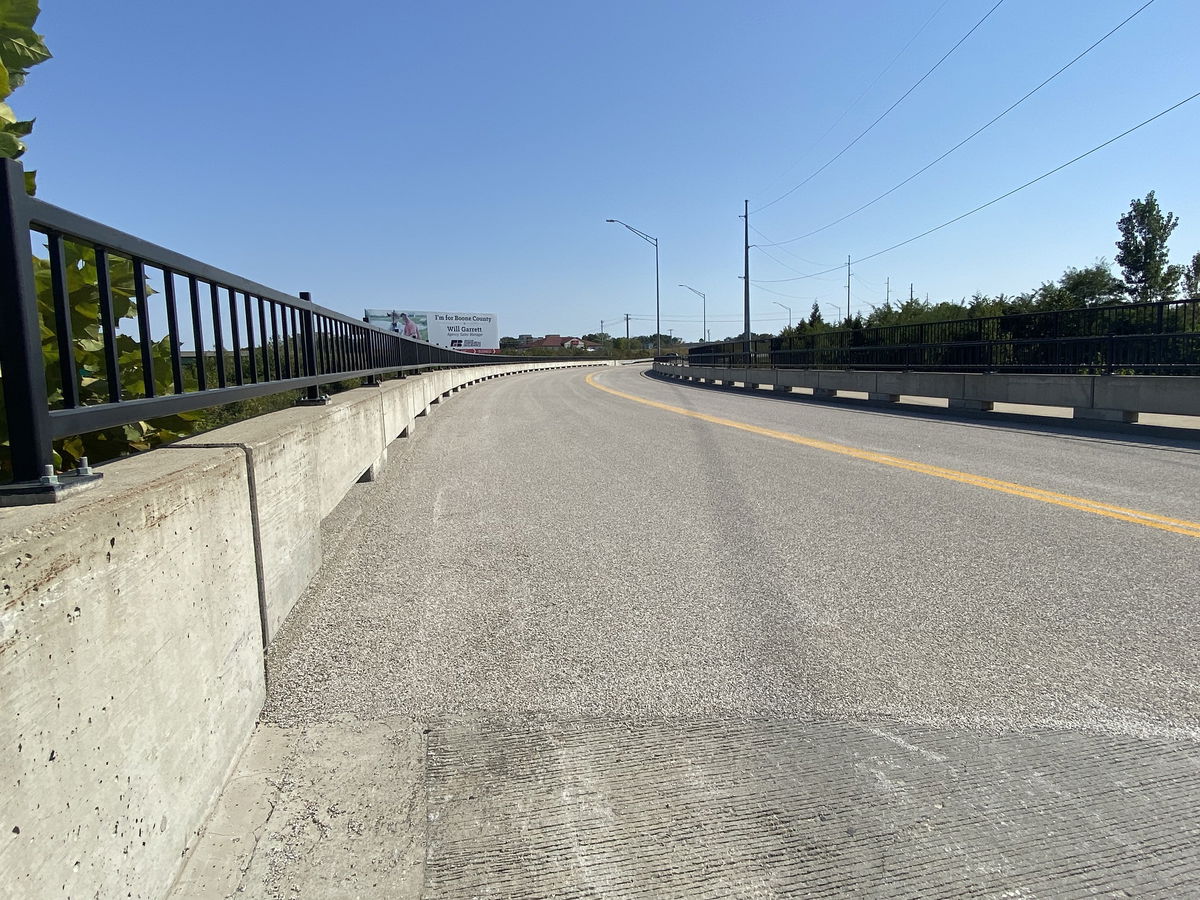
[1135, 516]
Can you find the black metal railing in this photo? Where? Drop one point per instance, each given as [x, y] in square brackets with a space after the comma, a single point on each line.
[94, 335]
[1133, 338]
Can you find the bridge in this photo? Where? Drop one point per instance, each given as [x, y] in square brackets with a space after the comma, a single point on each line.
[565, 628]
[703, 642]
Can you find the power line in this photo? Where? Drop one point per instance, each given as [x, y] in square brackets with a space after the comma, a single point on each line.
[1003, 196]
[771, 243]
[781, 293]
[885, 112]
[970, 136]
[695, 320]
[785, 265]
[776, 259]
[864, 93]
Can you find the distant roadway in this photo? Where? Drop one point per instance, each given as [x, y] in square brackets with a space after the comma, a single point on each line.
[603, 635]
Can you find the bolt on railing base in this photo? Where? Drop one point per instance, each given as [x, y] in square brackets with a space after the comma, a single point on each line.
[34, 493]
[323, 400]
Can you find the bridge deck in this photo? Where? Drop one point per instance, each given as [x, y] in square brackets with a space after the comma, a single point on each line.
[576, 645]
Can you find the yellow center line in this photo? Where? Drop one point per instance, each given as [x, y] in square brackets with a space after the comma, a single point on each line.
[1124, 514]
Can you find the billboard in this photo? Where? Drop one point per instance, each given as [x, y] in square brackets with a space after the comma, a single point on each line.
[466, 331]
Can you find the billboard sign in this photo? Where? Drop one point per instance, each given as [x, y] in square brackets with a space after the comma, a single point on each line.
[469, 332]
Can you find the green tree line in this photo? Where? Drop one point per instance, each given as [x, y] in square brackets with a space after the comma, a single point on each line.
[1146, 275]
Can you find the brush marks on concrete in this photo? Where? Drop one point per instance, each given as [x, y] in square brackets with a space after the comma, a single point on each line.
[783, 809]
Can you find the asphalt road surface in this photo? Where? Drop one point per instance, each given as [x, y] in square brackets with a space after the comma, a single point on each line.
[734, 644]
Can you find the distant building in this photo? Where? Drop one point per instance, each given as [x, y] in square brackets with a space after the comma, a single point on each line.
[558, 342]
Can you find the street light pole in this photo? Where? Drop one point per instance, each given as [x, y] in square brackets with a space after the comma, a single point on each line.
[703, 310]
[788, 308]
[657, 303]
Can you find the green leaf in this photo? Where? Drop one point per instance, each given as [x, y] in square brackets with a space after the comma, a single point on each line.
[20, 129]
[22, 49]
[18, 15]
[10, 146]
[73, 447]
[31, 182]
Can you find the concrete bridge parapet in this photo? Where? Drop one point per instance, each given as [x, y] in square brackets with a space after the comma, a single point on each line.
[1100, 397]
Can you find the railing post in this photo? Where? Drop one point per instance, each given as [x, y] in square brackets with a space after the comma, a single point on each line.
[312, 394]
[372, 361]
[21, 364]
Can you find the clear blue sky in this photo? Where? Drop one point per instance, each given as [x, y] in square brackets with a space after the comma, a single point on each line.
[464, 156]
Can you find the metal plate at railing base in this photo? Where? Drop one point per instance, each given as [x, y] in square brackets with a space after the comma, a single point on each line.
[35, 493]
[323, 400]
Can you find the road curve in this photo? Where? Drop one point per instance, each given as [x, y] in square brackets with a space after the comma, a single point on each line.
[612, 635]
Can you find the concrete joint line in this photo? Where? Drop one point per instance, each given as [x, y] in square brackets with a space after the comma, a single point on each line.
[383, 435]
[255, 529]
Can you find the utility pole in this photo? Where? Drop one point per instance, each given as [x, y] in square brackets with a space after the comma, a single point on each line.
[626, 326]
[746, 277]
[888, 297]
[910, 292]
[847, 287]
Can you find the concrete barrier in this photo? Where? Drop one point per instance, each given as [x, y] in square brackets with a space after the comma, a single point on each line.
[1105, 397]
[133, 624]
[1178, 396]
[131, 664]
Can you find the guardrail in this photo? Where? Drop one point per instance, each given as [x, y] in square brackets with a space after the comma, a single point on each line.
[1136, 338]
[249, 340]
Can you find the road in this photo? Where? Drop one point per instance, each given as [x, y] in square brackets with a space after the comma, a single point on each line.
[611, 636]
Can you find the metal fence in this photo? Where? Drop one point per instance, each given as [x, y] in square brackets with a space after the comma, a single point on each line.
[94, 332]
[1133, 338]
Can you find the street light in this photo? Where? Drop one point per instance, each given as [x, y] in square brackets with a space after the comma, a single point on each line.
[788, 308]
[657, 306]
[837, 309]
[703, 310]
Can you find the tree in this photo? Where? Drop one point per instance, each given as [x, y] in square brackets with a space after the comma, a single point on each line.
[1092, 286]
[20, 49]
[1191, 277]
[1142, 251]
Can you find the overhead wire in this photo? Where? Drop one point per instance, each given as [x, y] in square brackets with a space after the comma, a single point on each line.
[696, 320]
[788, 252]
[969, 137]
[884, 114]
[865, 91]
[995, 200]
[781, 293]
[776, 259]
